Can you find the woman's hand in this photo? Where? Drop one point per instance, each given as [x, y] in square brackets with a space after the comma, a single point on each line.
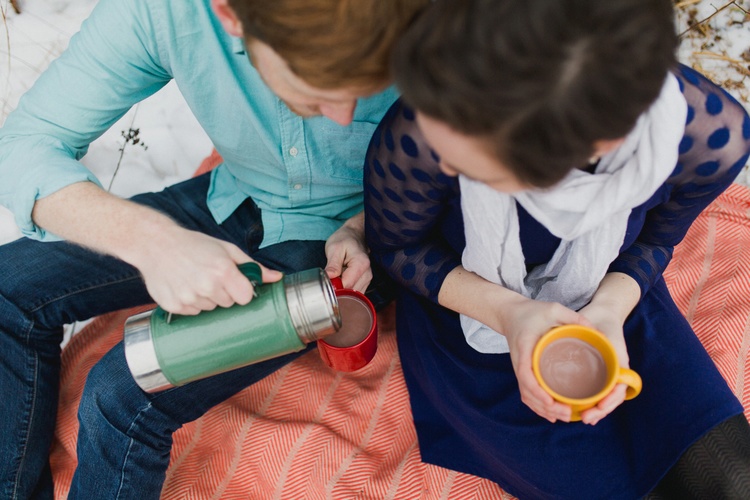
[347, 254]
[613, 301]
[604, 321]
[523, 323]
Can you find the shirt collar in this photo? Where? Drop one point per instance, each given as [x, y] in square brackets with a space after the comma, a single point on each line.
[238, 45]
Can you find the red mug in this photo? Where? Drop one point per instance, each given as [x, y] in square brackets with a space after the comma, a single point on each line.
[356, 342]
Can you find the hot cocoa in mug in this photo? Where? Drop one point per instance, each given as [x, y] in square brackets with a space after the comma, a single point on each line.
[578, 366]
[573, 368]
[354, 345]
[356, 322]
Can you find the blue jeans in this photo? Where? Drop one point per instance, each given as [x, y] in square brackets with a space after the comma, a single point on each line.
[125, 434]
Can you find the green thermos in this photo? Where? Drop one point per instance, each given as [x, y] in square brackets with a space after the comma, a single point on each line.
[164, 351]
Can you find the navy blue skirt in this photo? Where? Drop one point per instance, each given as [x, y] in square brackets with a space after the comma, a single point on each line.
[469, 416]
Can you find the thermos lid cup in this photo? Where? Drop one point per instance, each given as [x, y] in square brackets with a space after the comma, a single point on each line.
[356, 342]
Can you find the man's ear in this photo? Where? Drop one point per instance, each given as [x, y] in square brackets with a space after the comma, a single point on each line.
[227, 17]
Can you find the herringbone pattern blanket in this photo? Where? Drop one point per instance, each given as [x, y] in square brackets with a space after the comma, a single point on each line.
[307, 432]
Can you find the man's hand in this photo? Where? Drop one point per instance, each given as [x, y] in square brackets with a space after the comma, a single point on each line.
[347, 254]
[185, 271]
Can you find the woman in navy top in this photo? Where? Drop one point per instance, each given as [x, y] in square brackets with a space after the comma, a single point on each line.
[503, 98]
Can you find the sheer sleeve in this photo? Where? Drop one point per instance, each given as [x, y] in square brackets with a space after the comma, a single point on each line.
[713, 151]
[407, 203]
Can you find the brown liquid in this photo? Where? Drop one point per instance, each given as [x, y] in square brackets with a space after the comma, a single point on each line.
[573, 368]
[356, 321]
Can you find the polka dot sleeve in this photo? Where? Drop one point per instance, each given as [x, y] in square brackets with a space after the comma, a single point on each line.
[407, 201]
[713, 151]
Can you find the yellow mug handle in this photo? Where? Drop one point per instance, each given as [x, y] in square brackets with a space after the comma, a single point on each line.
[632, 380]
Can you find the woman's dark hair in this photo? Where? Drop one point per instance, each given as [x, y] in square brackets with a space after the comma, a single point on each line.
[540, 80]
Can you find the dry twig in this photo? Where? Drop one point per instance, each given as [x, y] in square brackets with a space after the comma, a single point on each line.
[736, 64]
[132, 136]
[685, 3]
[7, 42]
[14, 4]
[704, 21]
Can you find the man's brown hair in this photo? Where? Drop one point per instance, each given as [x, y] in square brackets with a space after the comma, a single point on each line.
[330, 43]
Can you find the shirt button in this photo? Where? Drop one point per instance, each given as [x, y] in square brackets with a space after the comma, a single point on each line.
[293, 151]
[297, 186]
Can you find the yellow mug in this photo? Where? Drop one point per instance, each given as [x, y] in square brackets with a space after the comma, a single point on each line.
[578, 366]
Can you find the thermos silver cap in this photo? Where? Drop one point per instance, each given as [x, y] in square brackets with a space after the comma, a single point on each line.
[141, 355]
[313, 307]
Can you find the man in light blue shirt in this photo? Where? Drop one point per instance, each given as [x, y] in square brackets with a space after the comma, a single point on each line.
[292, 128]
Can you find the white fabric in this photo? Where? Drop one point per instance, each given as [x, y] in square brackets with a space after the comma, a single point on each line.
[589, 212]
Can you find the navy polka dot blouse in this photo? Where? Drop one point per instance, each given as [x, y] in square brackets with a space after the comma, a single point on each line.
[413, 216]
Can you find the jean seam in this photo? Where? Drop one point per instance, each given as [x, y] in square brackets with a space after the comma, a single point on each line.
[30, 414]
[87, 289]
[130, 447]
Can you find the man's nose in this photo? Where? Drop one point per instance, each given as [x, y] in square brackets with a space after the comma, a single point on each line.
[341, 113]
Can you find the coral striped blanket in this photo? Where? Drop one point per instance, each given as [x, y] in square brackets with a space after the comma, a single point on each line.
[307, 432]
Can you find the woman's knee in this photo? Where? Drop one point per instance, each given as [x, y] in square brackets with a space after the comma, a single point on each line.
[715, 466]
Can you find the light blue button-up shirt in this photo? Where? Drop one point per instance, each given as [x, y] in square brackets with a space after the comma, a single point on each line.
[304, 174]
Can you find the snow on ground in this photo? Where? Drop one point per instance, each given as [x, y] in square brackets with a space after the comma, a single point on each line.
[172, 143]
[715, 40]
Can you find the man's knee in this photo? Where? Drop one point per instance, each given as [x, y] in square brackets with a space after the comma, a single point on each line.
[111, 396]
[20, 323]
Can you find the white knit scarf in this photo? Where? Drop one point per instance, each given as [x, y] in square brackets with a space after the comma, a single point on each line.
[588, 212]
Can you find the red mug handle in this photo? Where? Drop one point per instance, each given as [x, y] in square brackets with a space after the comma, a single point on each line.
[337, 283]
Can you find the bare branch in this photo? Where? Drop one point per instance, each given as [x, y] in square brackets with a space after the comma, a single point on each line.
[704, 21]
[685, 3]
[738, 65]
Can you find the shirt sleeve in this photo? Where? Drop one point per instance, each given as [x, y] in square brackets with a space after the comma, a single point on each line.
[713, 151]
[111, 64]
[407, 201]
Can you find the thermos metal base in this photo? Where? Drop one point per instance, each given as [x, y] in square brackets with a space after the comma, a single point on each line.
[141, 356]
